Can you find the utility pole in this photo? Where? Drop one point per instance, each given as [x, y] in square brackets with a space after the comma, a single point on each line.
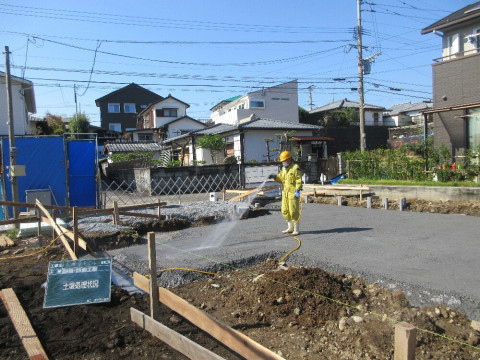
[11, 134]
[310, 100]
[361, 106]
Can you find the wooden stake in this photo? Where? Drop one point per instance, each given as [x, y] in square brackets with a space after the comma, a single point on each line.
[116, 216]
[405, 334]
[75, 230]
[152, 265]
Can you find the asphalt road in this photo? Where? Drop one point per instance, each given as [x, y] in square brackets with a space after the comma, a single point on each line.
[433, 258]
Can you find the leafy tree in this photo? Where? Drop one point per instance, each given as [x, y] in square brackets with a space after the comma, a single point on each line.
[214, 143]
[79, 123]
[55, 124]
[343, 117]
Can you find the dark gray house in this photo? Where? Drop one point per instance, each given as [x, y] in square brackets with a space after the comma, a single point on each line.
[119, 109]
[456, 80]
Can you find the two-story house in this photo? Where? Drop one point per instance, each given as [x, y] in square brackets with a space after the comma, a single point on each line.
[165, 119]
[278, 102]
[456, 80]
[119, 109]
[23, 103]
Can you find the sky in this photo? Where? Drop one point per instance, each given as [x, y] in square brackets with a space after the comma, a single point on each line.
[202, 52]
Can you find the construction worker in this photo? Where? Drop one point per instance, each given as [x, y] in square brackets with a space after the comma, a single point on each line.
[291, 178]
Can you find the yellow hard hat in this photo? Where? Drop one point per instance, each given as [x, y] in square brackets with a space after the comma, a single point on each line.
[284, 156]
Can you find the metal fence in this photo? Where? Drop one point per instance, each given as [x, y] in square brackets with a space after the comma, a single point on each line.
[171, 190]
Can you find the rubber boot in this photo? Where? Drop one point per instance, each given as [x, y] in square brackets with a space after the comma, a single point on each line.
[290, 227]
[296, 229]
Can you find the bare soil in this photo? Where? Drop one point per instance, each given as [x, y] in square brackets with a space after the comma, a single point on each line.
[298, 312]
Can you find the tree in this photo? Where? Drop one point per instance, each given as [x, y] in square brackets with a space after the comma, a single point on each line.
[79, 123]
[214, 143]
[342, 117]
[55, 124]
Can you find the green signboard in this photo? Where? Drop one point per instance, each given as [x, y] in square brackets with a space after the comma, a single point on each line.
[76, 282]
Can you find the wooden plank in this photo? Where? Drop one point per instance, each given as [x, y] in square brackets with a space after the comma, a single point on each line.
[5, 241]
[231, 338]
[25, 331]
[128, 213]
[54, 225]
[173, 339]
[142, 206]
[21, 220]
[405, 341]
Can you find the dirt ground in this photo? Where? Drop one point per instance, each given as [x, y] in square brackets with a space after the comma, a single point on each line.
[298, 312]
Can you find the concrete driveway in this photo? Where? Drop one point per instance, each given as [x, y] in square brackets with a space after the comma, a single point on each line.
[433, 258]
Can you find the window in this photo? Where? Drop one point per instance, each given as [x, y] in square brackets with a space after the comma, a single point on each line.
[145, 137]
[113, 107]
[166, 112]
[473, 128]
[115, 127]
[375, 119]
[257, 104]
[129, 108]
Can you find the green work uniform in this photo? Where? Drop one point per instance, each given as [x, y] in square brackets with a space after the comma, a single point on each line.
[291, 178]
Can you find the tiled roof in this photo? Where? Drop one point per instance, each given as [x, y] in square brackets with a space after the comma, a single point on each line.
[344, 103]
[255, 124]
[259, 124]
[132, 146]
[406, 107]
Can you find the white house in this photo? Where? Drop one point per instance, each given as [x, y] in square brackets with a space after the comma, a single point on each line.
[372, 113]
[278, 102]
[165, 119]
[23, 103]
[406, 113]
[251, 139]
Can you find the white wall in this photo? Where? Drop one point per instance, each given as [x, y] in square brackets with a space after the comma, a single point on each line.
[281, 103]
[456, 44]
[20, 114]
[256, 147]
[169, 103]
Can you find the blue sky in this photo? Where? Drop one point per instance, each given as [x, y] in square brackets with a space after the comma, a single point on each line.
[204, 51]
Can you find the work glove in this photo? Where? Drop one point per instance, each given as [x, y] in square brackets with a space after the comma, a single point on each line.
[272, 176]
[297, 193]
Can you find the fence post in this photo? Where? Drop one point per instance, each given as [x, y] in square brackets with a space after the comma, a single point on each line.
[385, 203]
[339, 201]
[116, 216]
[369, 202]
[405, 334]
[402, 204]
[152, 265]
[159, 211]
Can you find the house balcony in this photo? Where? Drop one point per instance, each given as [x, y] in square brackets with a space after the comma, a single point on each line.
[456, 81]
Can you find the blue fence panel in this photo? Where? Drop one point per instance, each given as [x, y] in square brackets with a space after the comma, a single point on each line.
[44, 160]
[81, 172]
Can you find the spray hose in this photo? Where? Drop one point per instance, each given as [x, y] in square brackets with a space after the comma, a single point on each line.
[294, 237]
